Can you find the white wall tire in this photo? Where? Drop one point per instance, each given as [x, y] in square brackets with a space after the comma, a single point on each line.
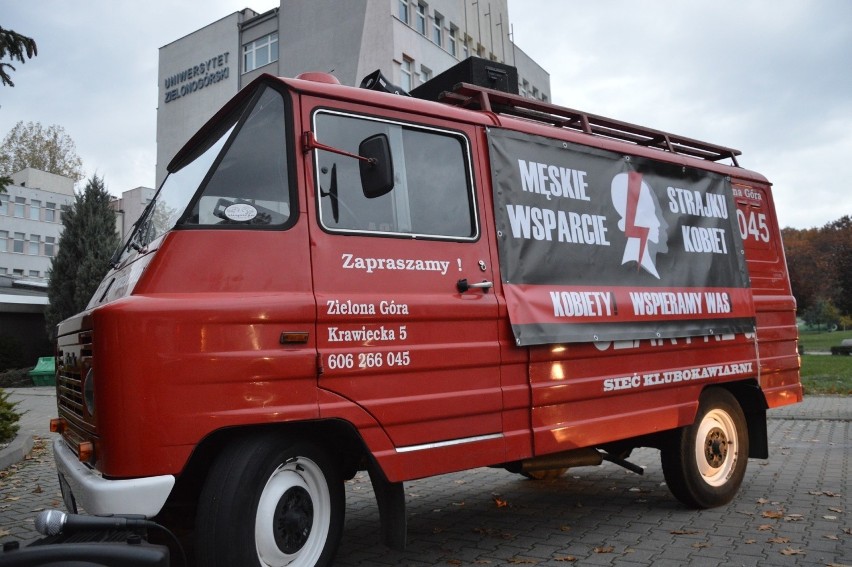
[268, 502]
[705, 463]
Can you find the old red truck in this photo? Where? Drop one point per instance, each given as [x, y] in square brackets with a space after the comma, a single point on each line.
[334, 279]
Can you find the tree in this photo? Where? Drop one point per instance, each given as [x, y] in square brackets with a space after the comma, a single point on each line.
[820, 265]
[48, 149]
[14, 45]
[88, 241]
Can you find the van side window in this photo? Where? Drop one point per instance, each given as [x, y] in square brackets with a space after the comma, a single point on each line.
[249, 184]
[432, 194]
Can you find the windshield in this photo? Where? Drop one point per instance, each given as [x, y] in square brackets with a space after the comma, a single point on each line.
[238, 179]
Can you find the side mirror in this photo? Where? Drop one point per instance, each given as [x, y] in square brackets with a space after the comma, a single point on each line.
[377, 169]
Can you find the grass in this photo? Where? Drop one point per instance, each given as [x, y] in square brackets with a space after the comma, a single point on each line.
[824, 374]
[822, 342]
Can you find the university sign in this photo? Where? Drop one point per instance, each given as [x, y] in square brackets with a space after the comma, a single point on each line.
[598, 246]
[197, 77]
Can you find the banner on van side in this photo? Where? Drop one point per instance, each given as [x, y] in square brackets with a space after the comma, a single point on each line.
[598, 246]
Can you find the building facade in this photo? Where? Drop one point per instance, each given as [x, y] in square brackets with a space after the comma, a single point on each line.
[31, 223]
[410, 41]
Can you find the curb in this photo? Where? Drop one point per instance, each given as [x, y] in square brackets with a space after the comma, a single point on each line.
[16, 451]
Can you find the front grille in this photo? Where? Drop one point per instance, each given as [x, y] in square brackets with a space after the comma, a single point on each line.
[74, 362]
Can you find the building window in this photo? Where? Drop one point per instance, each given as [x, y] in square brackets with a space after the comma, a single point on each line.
[34, 210]
[438, 30]
[4, 240]
[403, 10]
[50, 246]
[425, 73]
[34, 273]
[405, 74]
[452, 41]
[17, 272]
[523, 86]
[421, 18]
[19, 207]
[34, 247]
[535, 92]
[4, 271]
[466, 48]
[4, 205]
[18, 243]
[50, 212]
[260, 52]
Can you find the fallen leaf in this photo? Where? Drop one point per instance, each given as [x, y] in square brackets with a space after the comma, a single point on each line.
[778, 539]
[831, 537]
[838, 510]
[37, 489]
[4, 533]
[437, 530]
[565, 528]
[683, 532]
[763, 501]
[765, 528]
[605, 549]
[500, 503]
[521, 561]
[793, 518]
[791, 551]
[566, 558]
[453, 562]
[774, 514]
[829, 517]
[701, 544]
[751, 541]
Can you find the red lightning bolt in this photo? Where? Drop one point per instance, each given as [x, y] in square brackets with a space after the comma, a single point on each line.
[634, 188]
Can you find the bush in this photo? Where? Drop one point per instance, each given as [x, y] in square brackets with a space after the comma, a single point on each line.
[8, 418]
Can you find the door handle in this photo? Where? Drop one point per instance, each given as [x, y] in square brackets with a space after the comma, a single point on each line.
[463, 285]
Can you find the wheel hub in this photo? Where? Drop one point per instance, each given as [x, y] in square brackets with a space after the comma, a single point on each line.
[716, 447]
[294, 516]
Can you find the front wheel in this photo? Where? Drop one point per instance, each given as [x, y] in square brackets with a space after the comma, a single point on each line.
[705, 464]
[270, 502]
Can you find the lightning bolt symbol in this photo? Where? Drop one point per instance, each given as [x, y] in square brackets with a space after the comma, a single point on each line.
[634, 188]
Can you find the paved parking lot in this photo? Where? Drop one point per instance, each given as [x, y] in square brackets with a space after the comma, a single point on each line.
[794, 509]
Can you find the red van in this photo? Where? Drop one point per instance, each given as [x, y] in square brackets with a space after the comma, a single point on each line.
[334, 279]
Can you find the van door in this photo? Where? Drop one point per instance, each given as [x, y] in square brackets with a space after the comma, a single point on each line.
[398, 334]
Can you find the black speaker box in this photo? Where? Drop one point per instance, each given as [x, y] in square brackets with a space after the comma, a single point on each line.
[474, 70]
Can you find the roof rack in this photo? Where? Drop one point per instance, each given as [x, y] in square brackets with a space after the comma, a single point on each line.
[489, 100]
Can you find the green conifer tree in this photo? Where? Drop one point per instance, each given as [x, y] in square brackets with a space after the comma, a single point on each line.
[89, 238]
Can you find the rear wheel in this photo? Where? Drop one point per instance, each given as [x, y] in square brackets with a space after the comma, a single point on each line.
[705, 464]
[268, 502]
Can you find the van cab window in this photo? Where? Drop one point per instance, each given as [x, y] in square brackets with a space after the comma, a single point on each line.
[432, 194]
[239, 177]
[249, 184]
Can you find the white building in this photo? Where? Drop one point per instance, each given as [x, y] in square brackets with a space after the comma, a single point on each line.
[128, 208]
[410, 41]
[31, 223]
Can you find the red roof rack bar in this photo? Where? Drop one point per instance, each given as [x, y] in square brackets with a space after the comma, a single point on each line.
[489, 100]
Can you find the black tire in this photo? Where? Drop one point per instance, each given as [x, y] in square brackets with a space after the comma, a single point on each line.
[269, 501]
[705, 463]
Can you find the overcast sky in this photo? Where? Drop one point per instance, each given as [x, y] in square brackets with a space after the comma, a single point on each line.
[768, 77]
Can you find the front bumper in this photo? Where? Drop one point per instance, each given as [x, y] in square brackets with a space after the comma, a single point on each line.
[100, 496]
